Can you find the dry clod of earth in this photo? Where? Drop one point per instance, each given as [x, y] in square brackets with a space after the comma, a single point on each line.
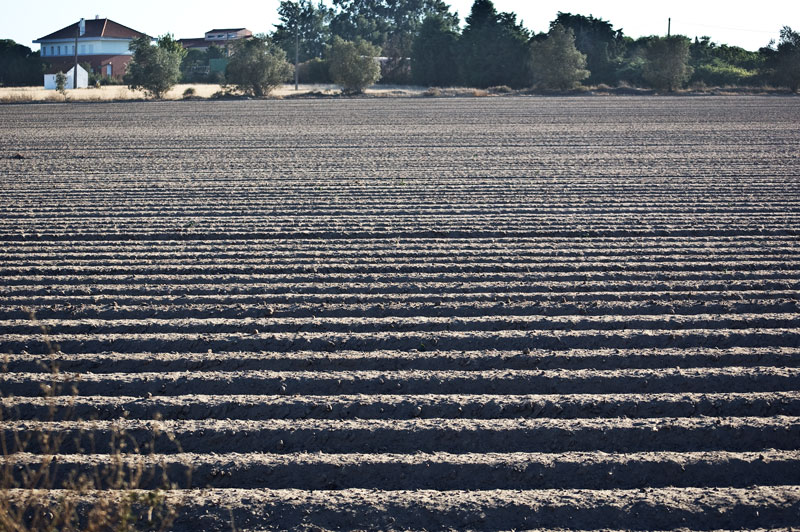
[507, 313]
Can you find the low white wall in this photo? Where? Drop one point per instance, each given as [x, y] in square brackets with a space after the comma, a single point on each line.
[83, 80]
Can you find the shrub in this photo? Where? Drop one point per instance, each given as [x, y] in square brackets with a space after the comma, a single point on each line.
[721, 74]
[314, 71]
[257, 66]
[217, 78]
[500, 89]
[61, 84]
[189, 92]
[353, 64]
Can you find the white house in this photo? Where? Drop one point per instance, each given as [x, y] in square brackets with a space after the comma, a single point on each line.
[83, 79]
[102, 43]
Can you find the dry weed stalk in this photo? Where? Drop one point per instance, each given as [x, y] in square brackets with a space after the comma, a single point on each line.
[106, 496]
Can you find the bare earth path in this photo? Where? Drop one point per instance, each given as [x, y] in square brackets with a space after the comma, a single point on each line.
[498, 313]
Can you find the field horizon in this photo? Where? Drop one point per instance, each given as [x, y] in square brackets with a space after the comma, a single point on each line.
[207, 91]
[412, 313]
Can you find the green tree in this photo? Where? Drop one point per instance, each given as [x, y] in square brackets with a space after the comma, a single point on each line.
[216, 52]
[783, 61]
[667, 62]
[391, 25]
[557, 63]
[720, 65]
[382, 21]
[493, 48]
[167, 42]
[435, 52]
[257, 66]
[312, 24]
[603, 46]
[19, 66]
[154, 69]
[353, 65]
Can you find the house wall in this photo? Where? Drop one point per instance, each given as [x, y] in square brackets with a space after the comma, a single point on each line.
[119, 64]
[66, 48]
[98, 63]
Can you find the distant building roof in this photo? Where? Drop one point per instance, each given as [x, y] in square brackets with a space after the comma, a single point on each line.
[199, 42]
[225, 30]
[98, 27]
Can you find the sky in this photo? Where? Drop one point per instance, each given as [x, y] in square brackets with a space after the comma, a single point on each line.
[750, 25]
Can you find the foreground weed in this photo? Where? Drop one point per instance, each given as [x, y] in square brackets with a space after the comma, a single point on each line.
[37, 495]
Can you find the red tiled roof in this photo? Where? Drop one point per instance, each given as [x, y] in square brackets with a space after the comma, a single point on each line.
[98, 27]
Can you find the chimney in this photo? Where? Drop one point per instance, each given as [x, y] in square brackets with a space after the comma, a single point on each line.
[97, 17]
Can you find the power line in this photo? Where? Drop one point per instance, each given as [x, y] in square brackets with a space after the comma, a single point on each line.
[727, 28]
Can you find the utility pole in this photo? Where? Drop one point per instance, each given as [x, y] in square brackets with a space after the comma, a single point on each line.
[296, 45]
[79, 31]
[75, 49]
[669, 26]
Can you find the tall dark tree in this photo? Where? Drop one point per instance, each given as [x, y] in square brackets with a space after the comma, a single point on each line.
[19, 66]
[312, 24]
[782, 62]
[603, 45]
[557, 63]
[493, 48]
[390, 24]
[434, 53]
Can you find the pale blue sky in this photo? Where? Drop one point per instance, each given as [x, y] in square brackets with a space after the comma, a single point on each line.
[747, 24]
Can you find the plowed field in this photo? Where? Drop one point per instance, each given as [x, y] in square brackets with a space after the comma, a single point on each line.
[504, 313]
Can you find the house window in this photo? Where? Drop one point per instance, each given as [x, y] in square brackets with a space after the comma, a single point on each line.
[108, 70]
[44, 50]
[59, 50]
[51, 51]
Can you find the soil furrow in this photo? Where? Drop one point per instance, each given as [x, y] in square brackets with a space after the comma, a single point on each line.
[405, 406]
[618, 435]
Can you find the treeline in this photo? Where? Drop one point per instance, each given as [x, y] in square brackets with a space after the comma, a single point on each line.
[19, 65]
[421, 42]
